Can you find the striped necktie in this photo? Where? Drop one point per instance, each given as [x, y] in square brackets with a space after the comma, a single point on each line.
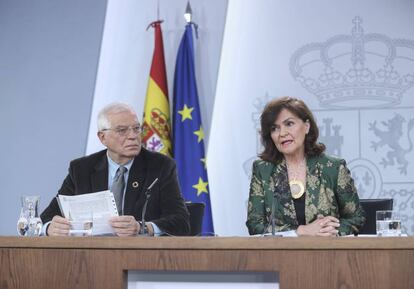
[118, 186]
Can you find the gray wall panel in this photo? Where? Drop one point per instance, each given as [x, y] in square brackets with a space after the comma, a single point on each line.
[49, 52]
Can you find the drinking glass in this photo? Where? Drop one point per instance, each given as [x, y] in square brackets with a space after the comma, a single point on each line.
[388, 223]
[81, 225]
[22, 223]
[29, 222]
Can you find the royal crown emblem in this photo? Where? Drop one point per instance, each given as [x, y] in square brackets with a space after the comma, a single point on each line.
[357, 70]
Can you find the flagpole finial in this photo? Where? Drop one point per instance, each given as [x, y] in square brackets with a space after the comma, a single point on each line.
[188, 13]
[154, 23]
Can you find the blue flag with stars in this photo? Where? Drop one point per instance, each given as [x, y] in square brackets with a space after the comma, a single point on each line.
[188, 134]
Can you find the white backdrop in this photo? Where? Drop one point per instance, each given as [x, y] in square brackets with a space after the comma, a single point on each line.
[276, 48]
[260, 41]
[127, 49]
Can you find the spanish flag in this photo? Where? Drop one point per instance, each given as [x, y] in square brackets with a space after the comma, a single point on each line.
[156, 126]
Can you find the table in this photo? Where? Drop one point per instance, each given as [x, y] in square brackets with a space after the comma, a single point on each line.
[305, 262]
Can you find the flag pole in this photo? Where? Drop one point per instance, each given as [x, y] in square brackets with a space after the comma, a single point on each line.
[188, 133]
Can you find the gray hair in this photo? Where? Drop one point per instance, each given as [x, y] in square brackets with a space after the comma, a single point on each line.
[115, 107]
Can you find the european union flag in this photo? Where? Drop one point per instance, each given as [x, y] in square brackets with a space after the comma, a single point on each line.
[188, 132]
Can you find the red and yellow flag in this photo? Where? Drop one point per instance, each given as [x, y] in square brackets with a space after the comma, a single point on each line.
[156, 133]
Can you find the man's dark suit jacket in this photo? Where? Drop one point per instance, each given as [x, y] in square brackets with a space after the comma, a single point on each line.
[166, 206]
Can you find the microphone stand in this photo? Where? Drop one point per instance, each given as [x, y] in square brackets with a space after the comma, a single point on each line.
[272, 215]
[143, 230]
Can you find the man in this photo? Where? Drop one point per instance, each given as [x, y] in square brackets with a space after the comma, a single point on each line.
[119, 130]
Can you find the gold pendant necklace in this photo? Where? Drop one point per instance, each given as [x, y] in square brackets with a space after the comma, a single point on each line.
[297, 188]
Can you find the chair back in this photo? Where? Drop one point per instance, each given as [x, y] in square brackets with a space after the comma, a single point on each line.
[371, 206]
[196, 211]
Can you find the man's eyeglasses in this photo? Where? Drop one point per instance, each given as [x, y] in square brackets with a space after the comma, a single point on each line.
[124, 130]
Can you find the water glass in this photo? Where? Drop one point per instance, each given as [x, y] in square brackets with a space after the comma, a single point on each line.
[29, 222]
[81, 225]
[388, 223]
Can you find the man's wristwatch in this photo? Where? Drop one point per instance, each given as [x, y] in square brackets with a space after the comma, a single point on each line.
[142, 228]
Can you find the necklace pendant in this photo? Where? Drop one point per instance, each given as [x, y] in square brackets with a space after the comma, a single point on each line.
[297, 189]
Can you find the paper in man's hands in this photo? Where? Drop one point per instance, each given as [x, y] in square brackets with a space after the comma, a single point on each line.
[101, 204]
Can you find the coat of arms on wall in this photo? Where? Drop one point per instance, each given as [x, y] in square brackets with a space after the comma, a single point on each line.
[360, 80]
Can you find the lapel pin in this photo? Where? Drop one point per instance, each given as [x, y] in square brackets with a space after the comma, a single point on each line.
[135, 184]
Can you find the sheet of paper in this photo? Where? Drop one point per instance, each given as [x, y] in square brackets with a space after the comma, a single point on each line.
[101, 204]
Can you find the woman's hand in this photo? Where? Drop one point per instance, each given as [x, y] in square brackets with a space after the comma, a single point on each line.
[322, 226]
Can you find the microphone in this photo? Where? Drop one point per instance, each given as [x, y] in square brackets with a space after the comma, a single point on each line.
[142, 230]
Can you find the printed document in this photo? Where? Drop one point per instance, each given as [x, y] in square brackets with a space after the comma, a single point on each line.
[101, 204]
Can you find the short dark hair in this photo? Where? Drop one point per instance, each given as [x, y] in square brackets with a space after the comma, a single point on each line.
[268, 118]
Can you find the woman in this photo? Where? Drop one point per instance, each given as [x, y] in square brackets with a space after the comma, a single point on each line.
[313, 194]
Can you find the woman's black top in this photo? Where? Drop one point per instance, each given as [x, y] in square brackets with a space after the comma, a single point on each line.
[300, 209]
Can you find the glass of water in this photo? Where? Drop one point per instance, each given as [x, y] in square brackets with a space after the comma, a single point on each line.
[388, 223]
[29, 222]
[81, 225]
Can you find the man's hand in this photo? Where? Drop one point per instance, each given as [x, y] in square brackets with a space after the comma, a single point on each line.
[125, 225]
[59, 226]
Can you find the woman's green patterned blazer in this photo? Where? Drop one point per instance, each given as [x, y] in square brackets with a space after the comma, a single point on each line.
[330, 191]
